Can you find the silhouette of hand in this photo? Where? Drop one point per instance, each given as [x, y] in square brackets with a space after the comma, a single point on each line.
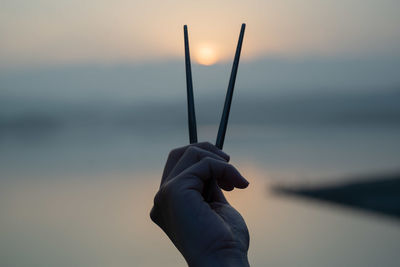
[192, 210]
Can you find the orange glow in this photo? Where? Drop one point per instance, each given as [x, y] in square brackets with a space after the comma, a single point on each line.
[206, 54]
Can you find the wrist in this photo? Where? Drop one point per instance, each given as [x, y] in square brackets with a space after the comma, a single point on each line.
[225, 258]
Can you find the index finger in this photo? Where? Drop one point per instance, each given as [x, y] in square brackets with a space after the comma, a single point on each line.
[177, 153]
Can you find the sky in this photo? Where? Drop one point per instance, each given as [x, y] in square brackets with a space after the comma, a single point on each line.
[58, 32]
[68, 53]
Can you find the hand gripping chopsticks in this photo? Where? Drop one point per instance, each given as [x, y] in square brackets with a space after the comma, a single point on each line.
[228, 100]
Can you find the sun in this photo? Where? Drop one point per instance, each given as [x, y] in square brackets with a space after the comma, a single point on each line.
[206, 54]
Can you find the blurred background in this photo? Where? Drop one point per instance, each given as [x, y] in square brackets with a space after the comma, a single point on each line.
[93, 97]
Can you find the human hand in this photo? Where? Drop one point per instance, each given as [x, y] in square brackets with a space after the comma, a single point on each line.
[207, 233]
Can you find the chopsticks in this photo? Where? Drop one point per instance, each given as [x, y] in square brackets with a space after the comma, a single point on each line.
[189, 90]
[229, 93]
[228, 99]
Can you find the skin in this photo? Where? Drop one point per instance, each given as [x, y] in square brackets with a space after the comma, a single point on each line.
[192, 210]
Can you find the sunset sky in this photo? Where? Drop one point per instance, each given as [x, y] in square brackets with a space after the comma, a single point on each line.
[47, 32]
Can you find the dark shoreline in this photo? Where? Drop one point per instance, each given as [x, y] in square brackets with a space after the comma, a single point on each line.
[380, 195]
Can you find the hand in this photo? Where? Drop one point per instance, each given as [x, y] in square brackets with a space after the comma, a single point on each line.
[207, 233]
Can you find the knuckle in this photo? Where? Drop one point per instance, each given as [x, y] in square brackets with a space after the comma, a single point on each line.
[205, 143]
[207, 161]
[157, 198]
[208, 144]
[192, 151]
[166, 191]
[179, 151]
[153, 215]
[173, 153]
